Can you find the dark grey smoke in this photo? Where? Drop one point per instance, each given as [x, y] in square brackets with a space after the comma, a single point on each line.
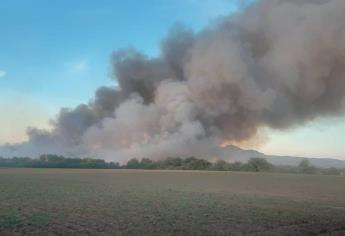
[176, 50]
[136, 73]
[105, 102]
[275, 63]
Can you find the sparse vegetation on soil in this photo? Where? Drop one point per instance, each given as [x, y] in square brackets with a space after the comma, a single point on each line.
[138, 202]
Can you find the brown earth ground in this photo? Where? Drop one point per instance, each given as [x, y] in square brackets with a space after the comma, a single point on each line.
[126, 202]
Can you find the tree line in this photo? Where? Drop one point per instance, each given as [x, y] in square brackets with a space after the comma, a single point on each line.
[171, 163]
[56, 161]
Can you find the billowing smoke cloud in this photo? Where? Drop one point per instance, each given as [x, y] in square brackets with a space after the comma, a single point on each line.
[276, 63]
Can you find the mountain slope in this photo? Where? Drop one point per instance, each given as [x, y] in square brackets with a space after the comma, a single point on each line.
[233, 154]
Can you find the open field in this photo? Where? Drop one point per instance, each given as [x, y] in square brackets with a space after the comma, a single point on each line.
[124, 202]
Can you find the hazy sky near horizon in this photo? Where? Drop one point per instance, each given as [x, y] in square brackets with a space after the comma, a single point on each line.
[48, 49]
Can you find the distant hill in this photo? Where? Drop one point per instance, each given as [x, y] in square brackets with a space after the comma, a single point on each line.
[233, 154]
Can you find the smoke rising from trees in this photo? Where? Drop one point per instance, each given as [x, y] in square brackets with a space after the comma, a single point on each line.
[275, 63]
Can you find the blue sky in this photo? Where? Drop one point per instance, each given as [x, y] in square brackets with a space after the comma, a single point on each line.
[55, 54]
[48, 48]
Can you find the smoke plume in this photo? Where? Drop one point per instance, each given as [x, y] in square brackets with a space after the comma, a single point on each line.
[275, 63]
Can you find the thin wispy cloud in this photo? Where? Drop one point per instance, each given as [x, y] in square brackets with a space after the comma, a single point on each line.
[2, 73]
[79, 66]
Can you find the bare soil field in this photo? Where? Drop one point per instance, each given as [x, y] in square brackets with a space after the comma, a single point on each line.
[126, 202]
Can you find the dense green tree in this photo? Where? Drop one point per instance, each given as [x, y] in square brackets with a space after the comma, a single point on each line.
[171, 163]
[133, 164]
[236, 166]
[147, 163]
[306, 168]
[193, 163]
[221, 165]
[259, 164]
